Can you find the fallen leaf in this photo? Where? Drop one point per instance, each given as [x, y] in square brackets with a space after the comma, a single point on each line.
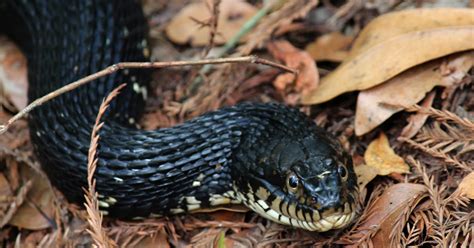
[16, 136]
[13, 76]
[5, 189]
[40, 198]
[365, 174]
[332, 46]
[389, 209]
[160, 240]
[5, 196]
[389, 58]
[380, 160]
[183, 28]
[308, 76]
[381, 156]
[466, 187]
[393, 24]
[377, 104]
[417, 120]
[224, 215]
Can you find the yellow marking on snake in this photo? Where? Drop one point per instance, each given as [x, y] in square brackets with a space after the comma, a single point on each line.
[176, 210]
[111, 200]
[262, 193]
[300, 214]
[276, 203]
[332, 221]
[218, 199]
[347, 208]
[308, 216]
[292, 211]
[192, 200]
[284, 208]
[103, 204]
[316, 216]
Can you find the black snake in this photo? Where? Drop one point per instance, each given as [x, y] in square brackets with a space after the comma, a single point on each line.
[270, 157]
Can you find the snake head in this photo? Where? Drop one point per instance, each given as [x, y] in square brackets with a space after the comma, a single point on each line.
[308, 183]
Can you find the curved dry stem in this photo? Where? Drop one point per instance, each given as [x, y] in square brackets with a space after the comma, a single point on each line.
[136, 65]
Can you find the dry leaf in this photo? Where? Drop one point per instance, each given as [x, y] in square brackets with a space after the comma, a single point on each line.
[332, 46]
[308, 76]
[13, 76]
[396, 23]
[5, 189]
[467, 186]
[381, 156]
[160, 240]
[376, 104]
[224, 215]
[40, 198]
[183, 28]
[417, 120]
[365, 174]
[5, 196]
[390, 57]
[390, 208]
[380, 159]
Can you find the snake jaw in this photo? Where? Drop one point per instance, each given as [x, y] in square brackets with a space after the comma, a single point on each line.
[333, 218]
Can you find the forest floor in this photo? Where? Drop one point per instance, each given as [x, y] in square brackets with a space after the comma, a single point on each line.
[393, 80]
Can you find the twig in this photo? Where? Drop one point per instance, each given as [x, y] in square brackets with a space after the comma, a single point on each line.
[437, 154]
[213, 22]
[16, 203]
[442, 115]
[94, 216]
[135, 65]
[230, 44]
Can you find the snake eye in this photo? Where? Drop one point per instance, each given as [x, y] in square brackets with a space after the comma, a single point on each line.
[342, 172]
[292, 182]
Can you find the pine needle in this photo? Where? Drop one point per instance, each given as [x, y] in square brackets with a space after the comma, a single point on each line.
[94, 216]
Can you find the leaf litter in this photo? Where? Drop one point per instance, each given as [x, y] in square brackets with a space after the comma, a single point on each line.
[423, 200]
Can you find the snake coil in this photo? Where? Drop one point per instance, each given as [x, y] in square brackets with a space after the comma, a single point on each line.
[269, 157]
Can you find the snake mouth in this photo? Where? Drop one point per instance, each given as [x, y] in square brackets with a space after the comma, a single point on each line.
[319, 221]
[293, 214]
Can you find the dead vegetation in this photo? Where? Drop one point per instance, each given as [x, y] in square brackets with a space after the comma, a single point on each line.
[428, 204]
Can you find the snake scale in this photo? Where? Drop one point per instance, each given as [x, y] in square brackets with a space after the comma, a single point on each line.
[270, 157]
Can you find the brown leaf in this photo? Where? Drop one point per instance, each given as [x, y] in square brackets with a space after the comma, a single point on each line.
[380, 160]
[227, 216]
[6, 196]
[381, 156]
[40, 198]
[390, 208]
[232, 15]
[393, 24]
[13, 77]
[160, 240]
[416, 121]
[5, 189]
[467, 186]
[308, 76]
[375, 105]
[365, 174]
[390, 57]
[333, 46]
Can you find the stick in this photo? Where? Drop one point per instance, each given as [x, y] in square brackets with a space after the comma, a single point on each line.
[134, 65]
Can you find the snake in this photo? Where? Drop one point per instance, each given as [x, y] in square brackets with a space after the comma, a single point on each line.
[269, 157]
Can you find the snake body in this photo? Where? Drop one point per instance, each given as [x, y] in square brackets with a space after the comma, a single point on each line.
[269, 157]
